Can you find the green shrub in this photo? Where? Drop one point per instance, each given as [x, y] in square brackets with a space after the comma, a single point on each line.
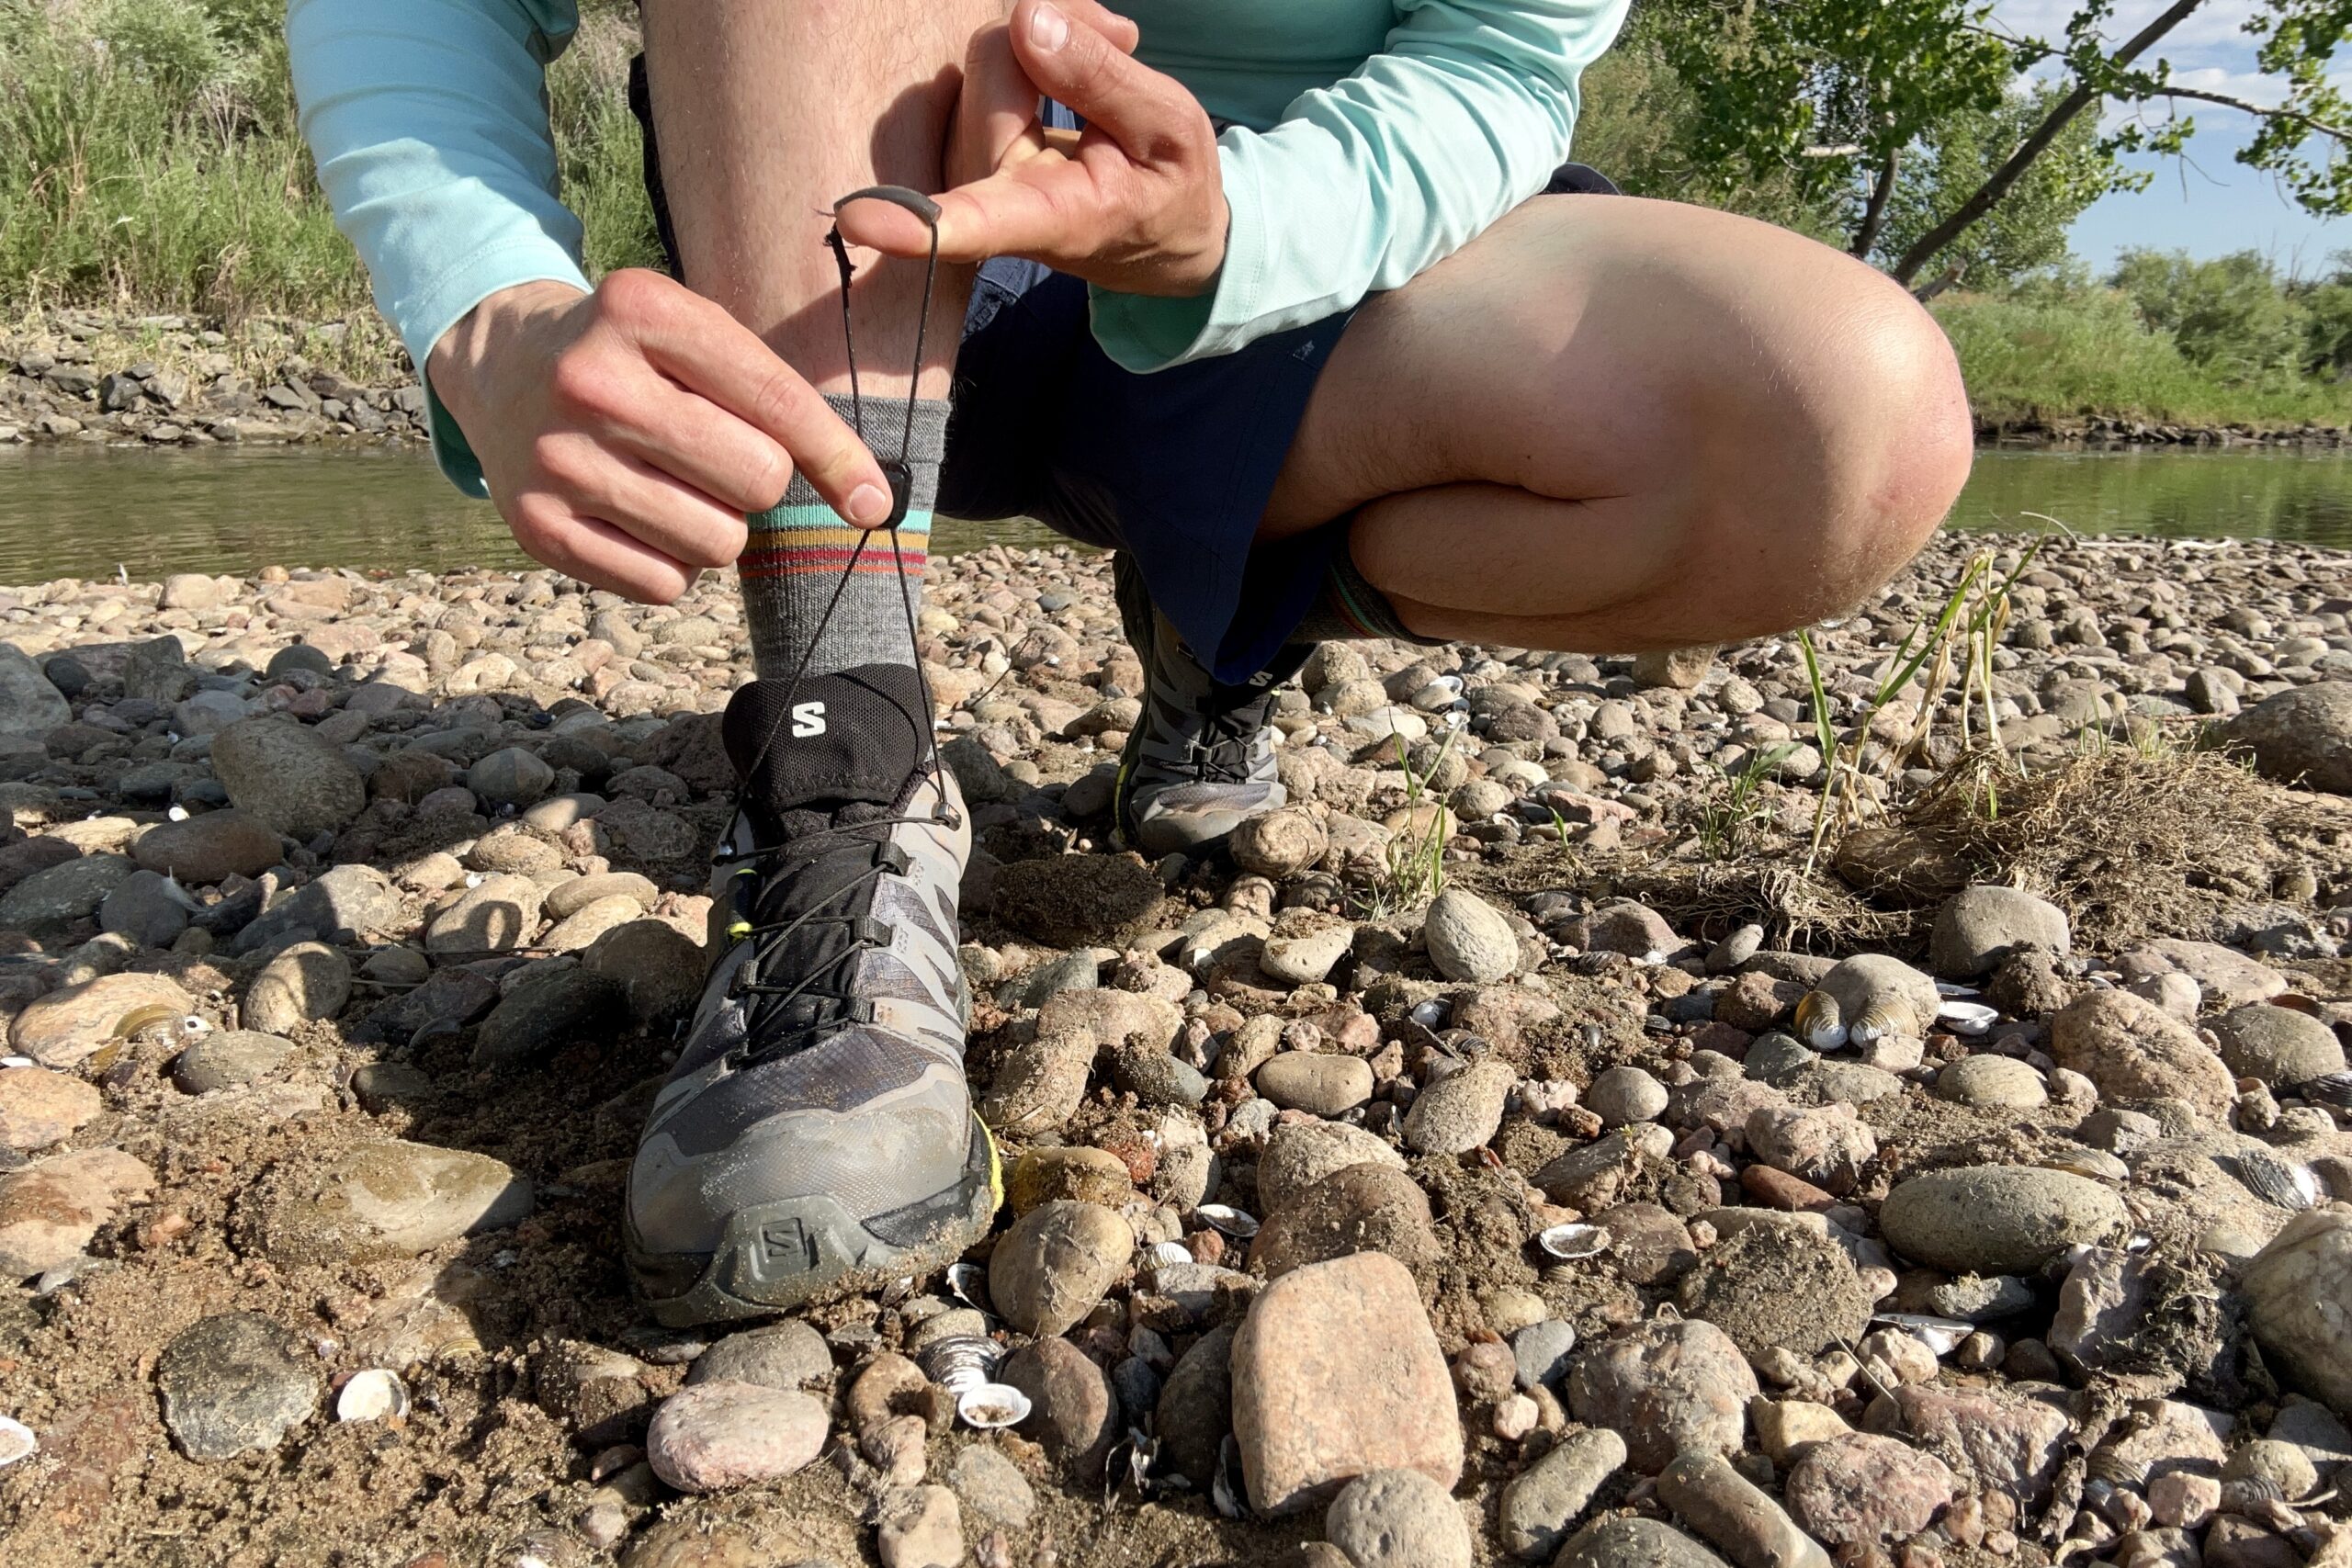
[2229, 315]
[2069, 353]
[149, 160]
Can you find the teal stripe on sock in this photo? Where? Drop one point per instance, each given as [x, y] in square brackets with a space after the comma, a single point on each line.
[794, 515]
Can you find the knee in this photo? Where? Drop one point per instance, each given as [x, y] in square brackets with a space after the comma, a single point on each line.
[1872, 442]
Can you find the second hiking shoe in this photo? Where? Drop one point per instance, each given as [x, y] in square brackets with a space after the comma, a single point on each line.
[1200, 759]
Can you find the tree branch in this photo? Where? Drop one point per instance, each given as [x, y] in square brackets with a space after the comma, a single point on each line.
[1875, 215]
[2261, 111]
[2061, 114]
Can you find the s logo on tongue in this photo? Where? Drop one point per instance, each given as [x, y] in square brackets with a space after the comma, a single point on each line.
[807, 719]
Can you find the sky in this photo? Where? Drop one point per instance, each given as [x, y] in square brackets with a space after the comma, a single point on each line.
[2207, 203]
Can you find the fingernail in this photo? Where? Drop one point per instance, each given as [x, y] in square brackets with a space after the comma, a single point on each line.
[869, 504]
[1048, 28]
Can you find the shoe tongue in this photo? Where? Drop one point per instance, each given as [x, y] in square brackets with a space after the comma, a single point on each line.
[855, 738]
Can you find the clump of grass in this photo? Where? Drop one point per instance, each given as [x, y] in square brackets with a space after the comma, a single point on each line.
[1962, 637]
[1415, 862]
[1734, 806]
[2136, 835]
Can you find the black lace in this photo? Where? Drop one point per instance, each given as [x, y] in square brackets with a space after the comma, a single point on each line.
[827, 983]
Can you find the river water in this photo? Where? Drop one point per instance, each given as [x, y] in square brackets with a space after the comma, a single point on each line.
[76, 511]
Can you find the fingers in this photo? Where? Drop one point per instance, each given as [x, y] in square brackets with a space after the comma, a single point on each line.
[692, 439]
[995, 111]
[1049, 207]
[1073, 61]
[596, 552]
[674, 529]
[697, 343]
[1121, 31]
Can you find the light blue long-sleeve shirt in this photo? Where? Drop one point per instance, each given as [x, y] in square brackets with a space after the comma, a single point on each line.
[1365, 141]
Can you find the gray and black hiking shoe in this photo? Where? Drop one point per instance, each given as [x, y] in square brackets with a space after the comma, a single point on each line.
[816, 1134]
[1200, 759]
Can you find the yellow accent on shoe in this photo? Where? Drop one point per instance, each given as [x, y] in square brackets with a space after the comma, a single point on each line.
[996, 1167]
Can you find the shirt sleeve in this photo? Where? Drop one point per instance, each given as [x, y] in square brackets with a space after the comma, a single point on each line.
[429, 122]
[1364, 184]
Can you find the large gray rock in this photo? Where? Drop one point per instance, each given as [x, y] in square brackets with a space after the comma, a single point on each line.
[1997, 1219]
[2298, 1293]
[2279, 1046]
[1666, 1388]
[1624, 1541]
[2301, 736]
[28, 704]
[293, 778]
[1980, 926]
[383, 1199]
[1397, 1518]
[49, 900]
[1469, 938]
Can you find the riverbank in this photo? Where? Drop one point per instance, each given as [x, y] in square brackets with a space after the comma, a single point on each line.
[174, 381]
[348, 921]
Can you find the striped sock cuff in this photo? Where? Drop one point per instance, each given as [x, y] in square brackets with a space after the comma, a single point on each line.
[1352, 598]
[801, 537]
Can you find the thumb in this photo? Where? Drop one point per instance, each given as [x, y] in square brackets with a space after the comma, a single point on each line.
[1075, 64]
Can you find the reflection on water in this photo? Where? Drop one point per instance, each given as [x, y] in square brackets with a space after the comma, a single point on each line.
[2244, 495]
[80, 512]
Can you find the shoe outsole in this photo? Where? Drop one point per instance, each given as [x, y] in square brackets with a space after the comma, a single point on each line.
[775, 1256]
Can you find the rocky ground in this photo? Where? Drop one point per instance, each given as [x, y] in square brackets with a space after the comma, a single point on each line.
[1651, 1197]
[93, 377]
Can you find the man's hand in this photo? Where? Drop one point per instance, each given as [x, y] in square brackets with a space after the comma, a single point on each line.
[1135, 203]
[625, 433]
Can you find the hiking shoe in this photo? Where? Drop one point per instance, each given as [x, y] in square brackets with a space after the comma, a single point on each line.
[1200, 759]
[816, 1134]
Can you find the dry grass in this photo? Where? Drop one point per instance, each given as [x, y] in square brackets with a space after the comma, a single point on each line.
[2133, 842]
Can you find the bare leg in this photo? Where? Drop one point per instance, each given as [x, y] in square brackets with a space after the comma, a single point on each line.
[1633, 424]
[766, 112]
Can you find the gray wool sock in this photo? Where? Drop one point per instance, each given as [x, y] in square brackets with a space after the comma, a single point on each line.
[792, 567]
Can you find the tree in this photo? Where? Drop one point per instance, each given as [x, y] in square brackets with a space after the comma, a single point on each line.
[2228, 314]
[2027, 231]
[1843, 94]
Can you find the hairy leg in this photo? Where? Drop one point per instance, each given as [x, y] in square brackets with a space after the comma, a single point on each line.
[766, 112]
[1631, 424]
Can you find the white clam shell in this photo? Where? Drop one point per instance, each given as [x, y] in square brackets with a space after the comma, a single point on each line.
[989, 1405]
[1966, 1018]
[17, 1441]
[1166, 1252]
[1574, 1240]
[1941, 1335]
[968, 1283]
[1229, 1219]
[372, 1395]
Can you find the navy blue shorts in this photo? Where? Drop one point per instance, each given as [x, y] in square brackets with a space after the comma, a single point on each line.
[1173, 467]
